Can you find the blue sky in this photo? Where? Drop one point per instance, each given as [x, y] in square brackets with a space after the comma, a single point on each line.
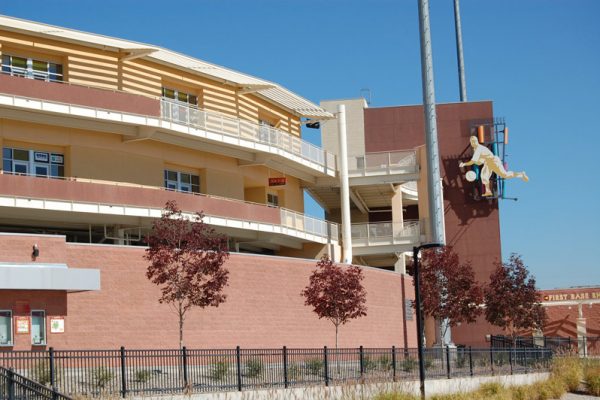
[538, 60]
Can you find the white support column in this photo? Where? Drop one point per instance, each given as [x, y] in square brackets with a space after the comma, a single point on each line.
[581, 332]
[344, 186]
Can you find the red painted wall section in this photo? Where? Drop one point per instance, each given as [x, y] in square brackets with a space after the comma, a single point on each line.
[264, 307]
[80, 95]
[42, 188]
[472, 227]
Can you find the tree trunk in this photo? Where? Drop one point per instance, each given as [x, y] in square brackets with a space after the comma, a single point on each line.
[181, 315]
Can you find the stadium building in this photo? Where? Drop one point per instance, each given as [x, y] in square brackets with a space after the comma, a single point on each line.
[98, 133]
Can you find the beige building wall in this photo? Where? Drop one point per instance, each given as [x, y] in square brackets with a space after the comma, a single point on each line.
[106, 69]
[355, 127]
[104, 156]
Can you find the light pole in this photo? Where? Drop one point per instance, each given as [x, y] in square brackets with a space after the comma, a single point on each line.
[416, 251]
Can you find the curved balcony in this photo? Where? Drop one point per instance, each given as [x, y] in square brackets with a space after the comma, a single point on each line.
[147, 118]
[116, 202]
[385, 237]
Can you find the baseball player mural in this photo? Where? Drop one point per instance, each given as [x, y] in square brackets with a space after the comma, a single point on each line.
[491, 164]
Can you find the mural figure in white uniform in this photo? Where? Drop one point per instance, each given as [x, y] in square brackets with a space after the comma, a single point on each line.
[491, 164]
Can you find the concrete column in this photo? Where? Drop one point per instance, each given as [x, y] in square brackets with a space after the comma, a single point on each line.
[344, 187]
[400, 265]
[581, 332]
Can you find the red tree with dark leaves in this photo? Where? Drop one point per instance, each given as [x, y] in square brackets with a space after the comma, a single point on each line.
[336, 293]
[186, 260]
[512, 301]
[448, 287]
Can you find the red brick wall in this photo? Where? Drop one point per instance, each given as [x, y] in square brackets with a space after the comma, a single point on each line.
[472, 227]
[562, 319]
[264, 307]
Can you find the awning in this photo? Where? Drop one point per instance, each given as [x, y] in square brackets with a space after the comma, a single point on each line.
[38, 276]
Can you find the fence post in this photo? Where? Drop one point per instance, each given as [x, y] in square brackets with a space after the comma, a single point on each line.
[185, 366]
[448, 361]
[362, 361]
[123, 372]
[285, 367]
[52, 371]
[11, 384]
[238, 363]
[394, 363]
[470, 361]
[492, 359]
[510, 359]
[326, 366]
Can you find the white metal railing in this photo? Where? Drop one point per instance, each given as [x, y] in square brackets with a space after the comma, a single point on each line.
[385, 232]
[253, 134]
[386, 162]
[289, 218]
[245, 130]
[319, 227]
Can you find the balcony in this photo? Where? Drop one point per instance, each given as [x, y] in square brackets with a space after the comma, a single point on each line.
[105, 202]
[248, 134]
[385, 237]
[383, 164]
[142, 118]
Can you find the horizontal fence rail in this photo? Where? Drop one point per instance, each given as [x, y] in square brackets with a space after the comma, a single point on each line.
[582, 346]
[122, 372]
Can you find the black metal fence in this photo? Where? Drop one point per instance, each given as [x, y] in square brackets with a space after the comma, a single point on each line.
[16, 387]
[584, 346]
[122, 372]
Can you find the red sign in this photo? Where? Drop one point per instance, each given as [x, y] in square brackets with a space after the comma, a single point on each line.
[277, 181]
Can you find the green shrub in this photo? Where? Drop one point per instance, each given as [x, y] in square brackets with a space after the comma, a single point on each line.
[293, 371]
[569, 371]
[384, 362]
[490, 389]
[314, 366]
[101, 376]
[369, 364]
[219, 370]
[408, 364]
[254, 367]
[41, 372]
[395, 396]
[143, 375]
[592, 379]
[428, 363]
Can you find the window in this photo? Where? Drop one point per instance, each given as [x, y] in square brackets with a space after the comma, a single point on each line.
[272, 199]
[182, 181]
[32, 69]
[5, 328]
[38, 327]
[31, 162]
[180, 106]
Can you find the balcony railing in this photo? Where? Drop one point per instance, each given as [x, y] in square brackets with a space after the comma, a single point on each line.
[314, 226]
[75, 100]
[404, 161]
[246, 131]
[142, 200]
[384, 233]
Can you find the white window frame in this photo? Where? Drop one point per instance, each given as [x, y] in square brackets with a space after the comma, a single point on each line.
[31, 164]
[179, 185]
[273, 196]
[30, 73]
[12, 333]
[45, 339]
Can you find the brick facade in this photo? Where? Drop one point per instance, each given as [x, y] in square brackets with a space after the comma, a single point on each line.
[264, 307]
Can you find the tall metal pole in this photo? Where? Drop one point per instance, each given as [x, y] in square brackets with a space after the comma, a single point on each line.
[344, 186]
[459, 53]
[436, 211]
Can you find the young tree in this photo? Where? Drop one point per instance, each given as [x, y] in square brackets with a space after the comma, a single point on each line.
[336, 293]
[186, 260]
[511, 299]
[448, 287]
